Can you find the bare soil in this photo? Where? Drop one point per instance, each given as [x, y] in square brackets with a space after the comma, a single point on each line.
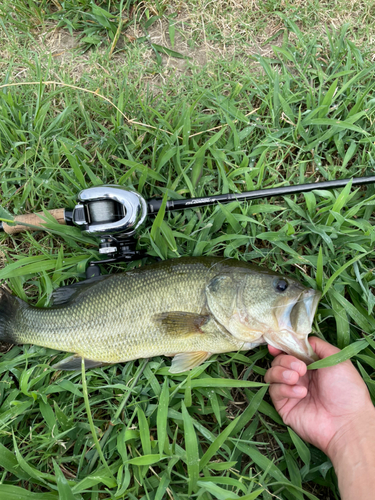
[190, 41]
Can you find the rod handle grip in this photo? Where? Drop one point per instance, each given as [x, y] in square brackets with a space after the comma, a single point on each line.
[35, 220]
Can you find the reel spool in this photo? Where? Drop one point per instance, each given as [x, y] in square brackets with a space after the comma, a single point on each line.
[114, 214]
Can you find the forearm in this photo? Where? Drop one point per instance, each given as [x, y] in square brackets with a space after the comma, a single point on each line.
[353, 457]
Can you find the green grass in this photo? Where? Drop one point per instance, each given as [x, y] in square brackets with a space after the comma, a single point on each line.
[239, 122]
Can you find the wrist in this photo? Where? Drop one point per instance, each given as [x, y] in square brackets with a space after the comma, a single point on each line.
[352, 452]
[352, 439]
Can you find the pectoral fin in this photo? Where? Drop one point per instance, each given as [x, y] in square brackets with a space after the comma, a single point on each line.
[181, 324]
[187, 360]
[75, 363]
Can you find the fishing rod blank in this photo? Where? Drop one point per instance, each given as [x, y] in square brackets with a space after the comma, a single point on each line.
[116, 210]
[154, 205]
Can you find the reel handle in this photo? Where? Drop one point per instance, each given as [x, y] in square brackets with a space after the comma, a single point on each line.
[34, 220]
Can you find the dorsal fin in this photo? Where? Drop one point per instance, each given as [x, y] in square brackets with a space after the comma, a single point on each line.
[65, 294]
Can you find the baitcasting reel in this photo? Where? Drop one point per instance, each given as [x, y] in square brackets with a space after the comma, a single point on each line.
[115, 213]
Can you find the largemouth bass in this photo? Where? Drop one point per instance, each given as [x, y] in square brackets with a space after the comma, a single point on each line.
[189, 308]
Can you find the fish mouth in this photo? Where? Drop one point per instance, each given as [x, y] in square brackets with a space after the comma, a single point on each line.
[295, 323]
[297, 316]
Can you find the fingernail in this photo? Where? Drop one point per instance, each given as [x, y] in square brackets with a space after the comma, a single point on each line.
[288, 374]
[296, 365]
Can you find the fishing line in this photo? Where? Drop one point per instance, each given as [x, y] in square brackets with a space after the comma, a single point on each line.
[103, 211]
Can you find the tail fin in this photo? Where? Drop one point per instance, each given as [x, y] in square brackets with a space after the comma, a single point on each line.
[9, 305]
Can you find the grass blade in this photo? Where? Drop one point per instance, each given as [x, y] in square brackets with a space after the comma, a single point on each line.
[192, 453]
[339, 357]
[339, 271]
[16, 493]
[91, 423]
[217, 382]
[162, 416]
[301, 447]
[65, 492]
[222, 437]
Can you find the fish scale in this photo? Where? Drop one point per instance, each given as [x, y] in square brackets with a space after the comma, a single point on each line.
[107, 322]
[160, 309]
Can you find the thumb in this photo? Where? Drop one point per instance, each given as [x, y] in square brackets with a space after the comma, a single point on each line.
[322, 348]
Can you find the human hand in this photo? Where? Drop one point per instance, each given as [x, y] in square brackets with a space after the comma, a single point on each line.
[324, 405]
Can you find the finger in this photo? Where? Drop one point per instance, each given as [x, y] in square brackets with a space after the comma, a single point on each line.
[322, 348]
[291, 363]
[280, 375]
[278, 392]
[273, 351]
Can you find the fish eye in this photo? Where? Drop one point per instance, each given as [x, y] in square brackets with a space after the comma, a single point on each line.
[280, 285]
